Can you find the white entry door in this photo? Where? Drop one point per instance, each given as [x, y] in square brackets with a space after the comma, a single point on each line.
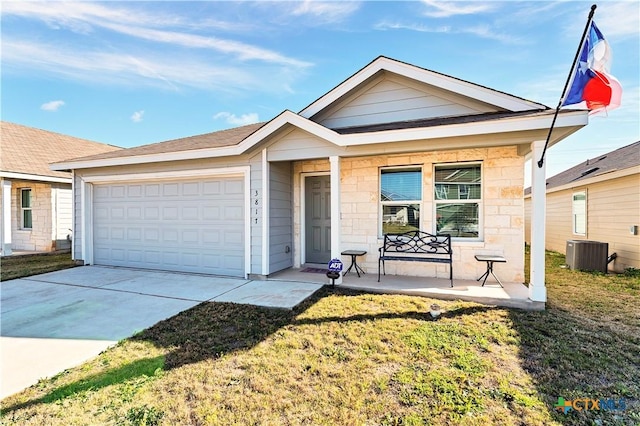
[180, 225]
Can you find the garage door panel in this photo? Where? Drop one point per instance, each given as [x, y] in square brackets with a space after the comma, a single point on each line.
[191, 226]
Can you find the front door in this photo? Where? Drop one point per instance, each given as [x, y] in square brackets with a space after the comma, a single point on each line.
[317, 219]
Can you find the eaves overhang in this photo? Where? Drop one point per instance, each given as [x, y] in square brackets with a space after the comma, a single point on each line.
[538, 121]
[29, 176]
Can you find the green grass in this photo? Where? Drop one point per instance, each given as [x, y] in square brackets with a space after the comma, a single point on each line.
[348, 358]
[12, 267]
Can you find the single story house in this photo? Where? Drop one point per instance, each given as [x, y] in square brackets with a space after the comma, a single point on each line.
[36, 202]
[393, 147]
[598, 200]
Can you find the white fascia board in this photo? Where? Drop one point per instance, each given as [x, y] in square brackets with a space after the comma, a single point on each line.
[151, 158]
[465, 88]
[474, 91]
[579, 118]
[176, 174]
[575, 118]
[287, 117]
[27, 176]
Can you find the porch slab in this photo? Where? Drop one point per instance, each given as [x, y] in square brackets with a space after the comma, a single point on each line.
[513, 295]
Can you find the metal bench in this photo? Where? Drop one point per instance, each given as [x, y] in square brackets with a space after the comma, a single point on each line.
[416, 246]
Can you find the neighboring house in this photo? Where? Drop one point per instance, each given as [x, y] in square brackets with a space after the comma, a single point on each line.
[36, 202]
[394, 147]
[596, 200]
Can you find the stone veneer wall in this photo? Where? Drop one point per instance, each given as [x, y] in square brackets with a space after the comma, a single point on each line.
[502, 210]
[39, 237]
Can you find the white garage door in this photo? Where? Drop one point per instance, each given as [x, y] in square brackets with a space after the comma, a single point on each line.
[188, 226]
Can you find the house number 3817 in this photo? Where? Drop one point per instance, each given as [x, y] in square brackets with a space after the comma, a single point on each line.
[255, 203]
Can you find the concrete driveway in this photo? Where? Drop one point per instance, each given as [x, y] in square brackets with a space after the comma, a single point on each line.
[55, 321]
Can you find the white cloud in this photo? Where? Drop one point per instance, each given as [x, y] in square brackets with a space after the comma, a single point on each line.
[483, 31]
[82, 17]
[136, 117]
[148, 69]
[52, 106]
[445, 9]
[326, 12]
[619, 19]
[233, 119]
[241, 50]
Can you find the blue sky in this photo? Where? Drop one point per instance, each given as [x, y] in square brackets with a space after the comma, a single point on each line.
[132, 73]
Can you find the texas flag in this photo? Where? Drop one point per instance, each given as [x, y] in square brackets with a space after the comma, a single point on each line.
[593, 86]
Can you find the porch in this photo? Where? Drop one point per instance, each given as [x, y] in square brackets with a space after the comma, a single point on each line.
[513, 295]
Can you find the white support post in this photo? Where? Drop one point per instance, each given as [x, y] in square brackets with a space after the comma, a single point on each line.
[6, 217]
[86, 196]
[265, 213]
[537, 288]
[335, 210]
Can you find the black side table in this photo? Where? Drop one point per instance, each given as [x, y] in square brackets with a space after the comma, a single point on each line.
[354, 254]
[490, 259]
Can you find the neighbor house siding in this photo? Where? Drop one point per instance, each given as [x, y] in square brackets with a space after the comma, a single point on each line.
[613, 206]
[559, 220]
[62, 213]
[280, 217]
[394, 98]
[502, 215]
[77, 218]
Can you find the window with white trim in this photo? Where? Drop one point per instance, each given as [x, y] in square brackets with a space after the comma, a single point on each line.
[400, 199]
[458, 199]
[579, 213]
[25, 209]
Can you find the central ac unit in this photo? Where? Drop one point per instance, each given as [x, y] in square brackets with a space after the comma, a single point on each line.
[587, 255]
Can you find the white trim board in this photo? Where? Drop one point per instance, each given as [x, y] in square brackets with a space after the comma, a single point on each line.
[540, 122]
[28, 176]
[87, 201]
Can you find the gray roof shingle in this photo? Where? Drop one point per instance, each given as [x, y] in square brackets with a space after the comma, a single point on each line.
[620, 159]
[222, 138]
[30, 151]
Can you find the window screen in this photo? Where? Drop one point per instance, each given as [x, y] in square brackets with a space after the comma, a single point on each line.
[400, 199]
[458, 197]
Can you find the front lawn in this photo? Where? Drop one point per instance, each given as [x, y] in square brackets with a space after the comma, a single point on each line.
[348, 358]
[12, 267]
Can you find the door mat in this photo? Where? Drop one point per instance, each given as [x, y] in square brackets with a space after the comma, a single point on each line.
[315, 270]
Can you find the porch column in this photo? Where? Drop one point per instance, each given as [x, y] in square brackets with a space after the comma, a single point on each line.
[335, 210]
[265, 212]
[6, 217]
[537, 288]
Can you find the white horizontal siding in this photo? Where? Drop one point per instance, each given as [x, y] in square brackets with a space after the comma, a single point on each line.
[613, 206]
[63, 212]
[280, 217]
[299, 145]
[391, 100]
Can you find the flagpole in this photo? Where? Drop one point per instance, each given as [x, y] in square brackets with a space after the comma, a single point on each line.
[566, 85]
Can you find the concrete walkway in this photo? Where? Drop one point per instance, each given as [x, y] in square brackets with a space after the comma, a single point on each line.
[55, 321]
[512, 295]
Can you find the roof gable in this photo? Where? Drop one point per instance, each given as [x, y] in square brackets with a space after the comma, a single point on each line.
[448, 89]
[390, 98]
[29, 151]
[446, 108]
